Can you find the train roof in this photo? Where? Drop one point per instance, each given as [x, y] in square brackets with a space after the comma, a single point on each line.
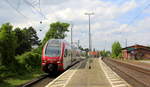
[58, 41]
[54, 40]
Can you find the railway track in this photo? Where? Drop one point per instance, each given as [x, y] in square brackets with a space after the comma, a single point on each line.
[43, 80]
[135, 75]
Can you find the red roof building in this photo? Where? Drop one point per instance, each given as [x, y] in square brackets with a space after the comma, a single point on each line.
[136, 52]
[93, 53]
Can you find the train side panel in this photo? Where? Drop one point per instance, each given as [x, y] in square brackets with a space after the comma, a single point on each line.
[67, 55]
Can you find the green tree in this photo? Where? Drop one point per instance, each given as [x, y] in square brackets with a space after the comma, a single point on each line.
[81, 48]
[7, 45]
[116, 49]
[57, 31]
[26, 38]
[20, 41]
[105, 53]
[34, 39]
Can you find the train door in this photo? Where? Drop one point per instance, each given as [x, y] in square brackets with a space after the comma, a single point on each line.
[65, 58]
[69, 57]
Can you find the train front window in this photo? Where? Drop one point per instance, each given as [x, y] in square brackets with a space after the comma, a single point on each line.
[52, 51]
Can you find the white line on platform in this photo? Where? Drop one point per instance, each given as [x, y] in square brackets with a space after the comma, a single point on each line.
[100, 62]
[117, 82]
[112, 80]
[71, 75]
[120, 85]
[55, 79]
[66, 80]
[112, 77]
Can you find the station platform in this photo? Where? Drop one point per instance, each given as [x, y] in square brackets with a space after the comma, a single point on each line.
[89, 76]
[89, 73]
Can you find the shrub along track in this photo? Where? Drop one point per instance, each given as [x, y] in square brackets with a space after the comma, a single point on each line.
[40, 81]
[135, 75]
[44, 79]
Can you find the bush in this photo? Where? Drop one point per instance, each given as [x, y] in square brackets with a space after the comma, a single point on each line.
[120, 55]
[38, 50]
[29, 60]
[6, 72]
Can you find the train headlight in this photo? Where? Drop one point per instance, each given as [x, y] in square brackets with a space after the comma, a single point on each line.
[52, 59]
[44, 61]
[58, 61]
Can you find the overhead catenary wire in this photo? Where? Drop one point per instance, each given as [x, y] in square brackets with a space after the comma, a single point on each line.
[7, 1]
[30, 4]
[18, 4]
[17, 9]
[133, 20]
[40, 5]
[19, 12]
[34, 2]
[137, 16]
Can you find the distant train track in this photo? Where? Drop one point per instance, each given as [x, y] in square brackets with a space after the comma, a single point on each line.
[133, 74]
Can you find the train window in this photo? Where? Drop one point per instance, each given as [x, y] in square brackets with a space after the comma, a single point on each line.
[52, 51]
[66, 53]
[54, 43]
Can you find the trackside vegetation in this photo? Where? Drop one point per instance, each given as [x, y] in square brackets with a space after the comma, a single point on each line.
[105, 53]
[116, 50]
[19, 62]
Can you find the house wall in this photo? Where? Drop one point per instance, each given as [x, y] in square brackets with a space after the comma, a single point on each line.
[130, 56]
[146, 54]
[141, 52]
[125, 54]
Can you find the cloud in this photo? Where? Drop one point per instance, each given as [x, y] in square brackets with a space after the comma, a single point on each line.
[104, 26]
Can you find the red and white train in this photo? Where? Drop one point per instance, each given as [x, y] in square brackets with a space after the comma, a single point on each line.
[58, 55]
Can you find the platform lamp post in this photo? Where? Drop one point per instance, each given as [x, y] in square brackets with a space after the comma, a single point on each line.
[71, 34]
[89, 15]
[90, 46]
[71, 40]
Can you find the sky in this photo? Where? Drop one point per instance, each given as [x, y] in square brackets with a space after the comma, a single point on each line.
[113, 20]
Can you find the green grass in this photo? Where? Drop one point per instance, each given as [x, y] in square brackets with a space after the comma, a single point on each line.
[17, 80]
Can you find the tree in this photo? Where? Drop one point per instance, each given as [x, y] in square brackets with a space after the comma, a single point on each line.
[20, 41]
[116, 49]
[34, 39]
[8, 44]
[57, 31]
[81, 48]
[105, 53]
[26, 38]
[86, 49]
[94, 49]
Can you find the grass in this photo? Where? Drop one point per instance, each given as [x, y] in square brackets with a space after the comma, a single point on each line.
[17, 80]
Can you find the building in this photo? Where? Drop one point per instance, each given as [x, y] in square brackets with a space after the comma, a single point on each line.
[136, 52]
[94, 53]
